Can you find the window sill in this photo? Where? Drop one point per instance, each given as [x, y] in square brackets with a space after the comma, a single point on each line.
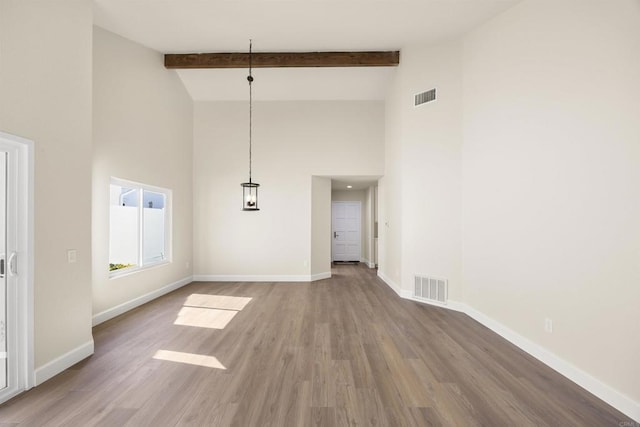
[133, 270]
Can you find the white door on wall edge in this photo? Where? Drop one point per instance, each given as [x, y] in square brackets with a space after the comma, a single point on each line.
[345, 225]
[3, 271]
[16, 303]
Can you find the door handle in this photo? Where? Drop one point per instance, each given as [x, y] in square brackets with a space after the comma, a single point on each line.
[13, 264]
[2, 266]
[335, 235]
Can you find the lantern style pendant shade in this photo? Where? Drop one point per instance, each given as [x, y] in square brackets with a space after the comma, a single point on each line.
[250, 189]
[250, 196]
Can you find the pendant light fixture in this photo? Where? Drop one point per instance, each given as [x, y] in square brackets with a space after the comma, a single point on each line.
[250, 189]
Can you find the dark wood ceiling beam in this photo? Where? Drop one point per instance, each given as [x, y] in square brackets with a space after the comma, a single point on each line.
[282, 59]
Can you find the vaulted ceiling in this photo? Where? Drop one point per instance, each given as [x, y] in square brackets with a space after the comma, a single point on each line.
[184, 26]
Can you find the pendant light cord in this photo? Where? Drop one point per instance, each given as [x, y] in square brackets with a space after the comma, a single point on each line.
[250, 79]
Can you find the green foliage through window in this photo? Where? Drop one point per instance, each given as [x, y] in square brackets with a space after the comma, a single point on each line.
[113, 267]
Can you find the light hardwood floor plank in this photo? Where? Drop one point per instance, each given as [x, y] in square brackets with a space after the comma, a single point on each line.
[345, 351]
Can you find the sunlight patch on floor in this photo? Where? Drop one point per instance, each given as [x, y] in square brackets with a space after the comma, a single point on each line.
[189, 359]
[204, 317]
[210, 311]
[217, 301]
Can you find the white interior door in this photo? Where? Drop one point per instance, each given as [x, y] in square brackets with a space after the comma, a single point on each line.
[3, 271]
[345, 224]
[16, 298]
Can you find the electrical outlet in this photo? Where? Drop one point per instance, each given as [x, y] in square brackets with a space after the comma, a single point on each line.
[548, 325]
[72, 256]
[187, 265]
[305, 263]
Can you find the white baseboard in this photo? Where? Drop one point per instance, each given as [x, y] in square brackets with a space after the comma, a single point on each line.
[450, 305]
[129, 305]
[320, 276]
[613, 397]
[368, 263]
[251, 278]
[390, 283]
[67, 360]
[596, 387]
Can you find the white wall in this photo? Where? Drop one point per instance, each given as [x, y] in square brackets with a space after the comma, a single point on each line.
[551, 173]
[369, 216]
[390, 192]
[320, 226]
[420, 196]
[142, 132]
[45, 96]
[291, 142]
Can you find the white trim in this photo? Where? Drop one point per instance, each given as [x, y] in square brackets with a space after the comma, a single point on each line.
[30, 227]
[596, 387]
[128, 183]
[367, 263]
[613, 397]
[124, 272]
[67, 360]
[451, 305]
[390, 283]
[250, 278]
[110, 313]
[320, 276]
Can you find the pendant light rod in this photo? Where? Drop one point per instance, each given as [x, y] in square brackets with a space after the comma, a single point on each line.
[250, 189]
[250, 79]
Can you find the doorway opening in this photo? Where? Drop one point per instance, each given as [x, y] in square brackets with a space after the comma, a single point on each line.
[354, 219]
[343, 188]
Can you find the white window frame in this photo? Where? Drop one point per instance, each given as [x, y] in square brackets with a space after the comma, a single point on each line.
[167, 224]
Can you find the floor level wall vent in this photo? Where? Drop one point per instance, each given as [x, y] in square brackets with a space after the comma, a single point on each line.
[431, 289]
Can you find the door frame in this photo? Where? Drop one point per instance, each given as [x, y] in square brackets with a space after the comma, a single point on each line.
[20, 200]
[359, 203]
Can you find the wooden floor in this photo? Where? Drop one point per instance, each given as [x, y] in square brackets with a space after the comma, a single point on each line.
[341, 351]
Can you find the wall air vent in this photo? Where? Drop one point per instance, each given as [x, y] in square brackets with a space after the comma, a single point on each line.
[431, 289]
[424, 97]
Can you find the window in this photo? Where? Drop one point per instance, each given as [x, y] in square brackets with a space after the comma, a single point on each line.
[139, 226]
